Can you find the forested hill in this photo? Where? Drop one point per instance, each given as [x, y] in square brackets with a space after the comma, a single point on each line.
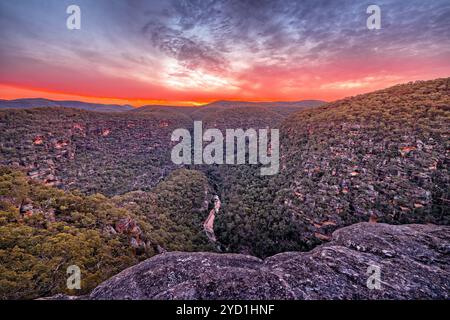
[42, 103]
[382, 156]
[111, 153]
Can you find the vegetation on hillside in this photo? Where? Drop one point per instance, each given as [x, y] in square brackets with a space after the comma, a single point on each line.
[44, 230]
[382, 156]
[89, 151]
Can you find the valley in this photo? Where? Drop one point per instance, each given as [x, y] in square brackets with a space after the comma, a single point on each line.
[105, 182]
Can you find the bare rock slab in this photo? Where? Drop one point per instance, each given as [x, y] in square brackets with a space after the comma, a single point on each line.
[413, 263]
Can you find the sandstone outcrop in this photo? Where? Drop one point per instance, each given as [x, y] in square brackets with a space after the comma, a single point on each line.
[413, 261]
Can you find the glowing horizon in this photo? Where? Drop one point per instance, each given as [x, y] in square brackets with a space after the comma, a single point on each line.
[192, 53]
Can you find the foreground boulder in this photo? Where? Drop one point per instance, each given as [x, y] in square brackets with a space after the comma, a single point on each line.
[413, 261]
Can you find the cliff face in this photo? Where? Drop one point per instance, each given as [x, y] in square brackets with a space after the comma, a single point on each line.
[413, 261]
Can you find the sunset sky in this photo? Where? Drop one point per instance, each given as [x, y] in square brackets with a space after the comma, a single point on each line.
[193, 52]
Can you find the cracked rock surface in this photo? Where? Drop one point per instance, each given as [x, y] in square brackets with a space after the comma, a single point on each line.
[413, 261]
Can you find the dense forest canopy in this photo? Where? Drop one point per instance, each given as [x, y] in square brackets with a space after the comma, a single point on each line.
[99, 190]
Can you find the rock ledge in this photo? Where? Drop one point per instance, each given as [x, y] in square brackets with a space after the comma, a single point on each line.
[413, 260]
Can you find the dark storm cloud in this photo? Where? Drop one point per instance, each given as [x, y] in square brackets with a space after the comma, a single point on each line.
[200, 33]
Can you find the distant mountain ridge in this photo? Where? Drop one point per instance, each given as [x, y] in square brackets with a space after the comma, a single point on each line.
[285, 107]
[29, 103]
[300, 103]
[43, 103]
